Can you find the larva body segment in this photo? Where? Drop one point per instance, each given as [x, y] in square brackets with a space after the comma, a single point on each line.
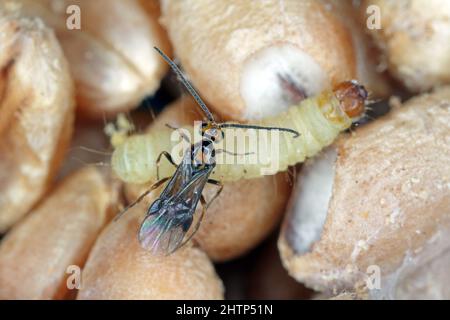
[134, 161]
[319, 120]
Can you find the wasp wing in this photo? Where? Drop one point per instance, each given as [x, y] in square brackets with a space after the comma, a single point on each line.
[181, 177]
[159, 235]
[191, 192]
[165, 227]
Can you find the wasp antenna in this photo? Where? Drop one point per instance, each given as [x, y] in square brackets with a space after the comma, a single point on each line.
[187, 84]
[246, 126]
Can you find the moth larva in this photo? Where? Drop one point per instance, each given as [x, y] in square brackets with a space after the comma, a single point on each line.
[319, 120]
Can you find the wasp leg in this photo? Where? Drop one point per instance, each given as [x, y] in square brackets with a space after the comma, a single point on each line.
[142, 196]
[171, 127]
[197, 225]
[217, 184]
[158, 160]
[185, 137]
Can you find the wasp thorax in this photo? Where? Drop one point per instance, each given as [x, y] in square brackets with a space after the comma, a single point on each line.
[352, 98]
[212, 131]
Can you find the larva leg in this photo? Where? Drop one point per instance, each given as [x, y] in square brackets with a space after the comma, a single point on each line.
[158, 160]
[197, 225]
[119, 131]
[141, 197]
[219, 185]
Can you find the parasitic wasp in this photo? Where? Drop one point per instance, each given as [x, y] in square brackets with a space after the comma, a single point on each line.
[169, 218]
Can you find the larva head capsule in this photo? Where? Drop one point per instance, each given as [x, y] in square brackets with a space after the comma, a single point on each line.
[352, 98]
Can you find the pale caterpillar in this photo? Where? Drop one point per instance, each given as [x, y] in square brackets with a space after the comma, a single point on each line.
[319, 120]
